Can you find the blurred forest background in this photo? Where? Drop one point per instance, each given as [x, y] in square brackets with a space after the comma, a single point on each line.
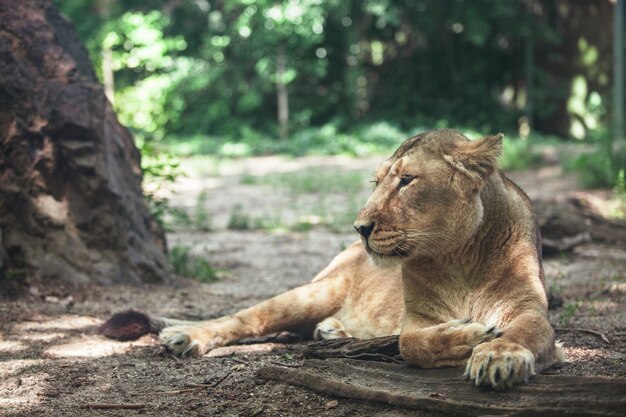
[254, 77]
[258, 125]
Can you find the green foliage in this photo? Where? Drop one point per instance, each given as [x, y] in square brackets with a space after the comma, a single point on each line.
[319, 198]
[188, 265]
[239, 220]
[524, 153]
[160, 168]
[593, 169]
[201, 216]
[619, 192]
[565, 318]
[206, 72]
[602, 166]
[377, 138]
[314, 181]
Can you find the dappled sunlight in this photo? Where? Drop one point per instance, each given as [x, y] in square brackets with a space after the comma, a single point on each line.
[12, 346]
[41, 337]
[13, 367]
[20, 388]
[65, 322]
[93, 347]
[23, 396]
[19, 403]
[584, 354]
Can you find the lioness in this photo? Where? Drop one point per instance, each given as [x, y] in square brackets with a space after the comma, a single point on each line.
[449, 259]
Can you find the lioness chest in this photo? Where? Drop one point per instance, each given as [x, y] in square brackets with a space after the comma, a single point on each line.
[375, 303]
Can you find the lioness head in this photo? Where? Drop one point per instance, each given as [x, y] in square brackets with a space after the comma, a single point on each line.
[427, 196]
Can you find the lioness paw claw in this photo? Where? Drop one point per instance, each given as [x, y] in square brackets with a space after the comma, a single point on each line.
[495, 331]
[330, 329]
[500, 365]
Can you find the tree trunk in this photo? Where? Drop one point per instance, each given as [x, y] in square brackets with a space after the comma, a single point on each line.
[282, 96]
[71, 205]
[108, 75]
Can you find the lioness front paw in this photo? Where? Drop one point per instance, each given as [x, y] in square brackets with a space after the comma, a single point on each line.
[187, 340]
[500, 365]
[468, 333]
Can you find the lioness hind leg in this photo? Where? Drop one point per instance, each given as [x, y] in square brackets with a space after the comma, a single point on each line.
[330, 329]
[447, 344]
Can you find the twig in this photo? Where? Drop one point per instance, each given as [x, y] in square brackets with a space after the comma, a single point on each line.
[177, 391]
[219, 381]
[113, 406]
[288, 365]
[239, 360]
[581, 330]
[199, 385]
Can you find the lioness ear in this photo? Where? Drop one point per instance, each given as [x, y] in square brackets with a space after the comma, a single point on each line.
[477, 159]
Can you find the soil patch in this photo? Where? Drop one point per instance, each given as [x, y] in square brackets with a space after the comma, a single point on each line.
[52, 361]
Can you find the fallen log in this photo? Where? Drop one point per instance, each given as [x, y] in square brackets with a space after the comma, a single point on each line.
[444, 391]
[570, 222]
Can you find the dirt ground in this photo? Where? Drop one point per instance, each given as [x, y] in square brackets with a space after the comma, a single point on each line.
[52, 362]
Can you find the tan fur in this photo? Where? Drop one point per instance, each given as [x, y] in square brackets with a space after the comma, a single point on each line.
[454, 267]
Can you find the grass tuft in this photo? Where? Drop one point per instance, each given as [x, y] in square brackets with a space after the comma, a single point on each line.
[189, 265]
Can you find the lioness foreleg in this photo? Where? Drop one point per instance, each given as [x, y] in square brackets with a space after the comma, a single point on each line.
[307, 304]
[447, 344]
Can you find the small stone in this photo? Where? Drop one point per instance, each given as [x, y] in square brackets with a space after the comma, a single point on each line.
[331, 404]
[52, 299]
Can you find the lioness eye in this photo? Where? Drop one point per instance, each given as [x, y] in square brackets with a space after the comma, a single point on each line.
[405, 181]
[375, 181]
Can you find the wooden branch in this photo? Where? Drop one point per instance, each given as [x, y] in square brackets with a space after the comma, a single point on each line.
[445, 391]
[383, 349]
[113, 406]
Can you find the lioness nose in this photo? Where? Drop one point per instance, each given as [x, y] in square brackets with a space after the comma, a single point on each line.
[364, 228]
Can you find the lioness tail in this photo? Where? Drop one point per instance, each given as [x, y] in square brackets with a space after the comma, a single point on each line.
[131, 325]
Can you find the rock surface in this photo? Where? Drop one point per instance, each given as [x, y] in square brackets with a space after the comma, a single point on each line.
[71, 205]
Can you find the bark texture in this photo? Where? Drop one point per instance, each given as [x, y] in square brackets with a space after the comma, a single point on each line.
[71, 205]
[445, 391]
